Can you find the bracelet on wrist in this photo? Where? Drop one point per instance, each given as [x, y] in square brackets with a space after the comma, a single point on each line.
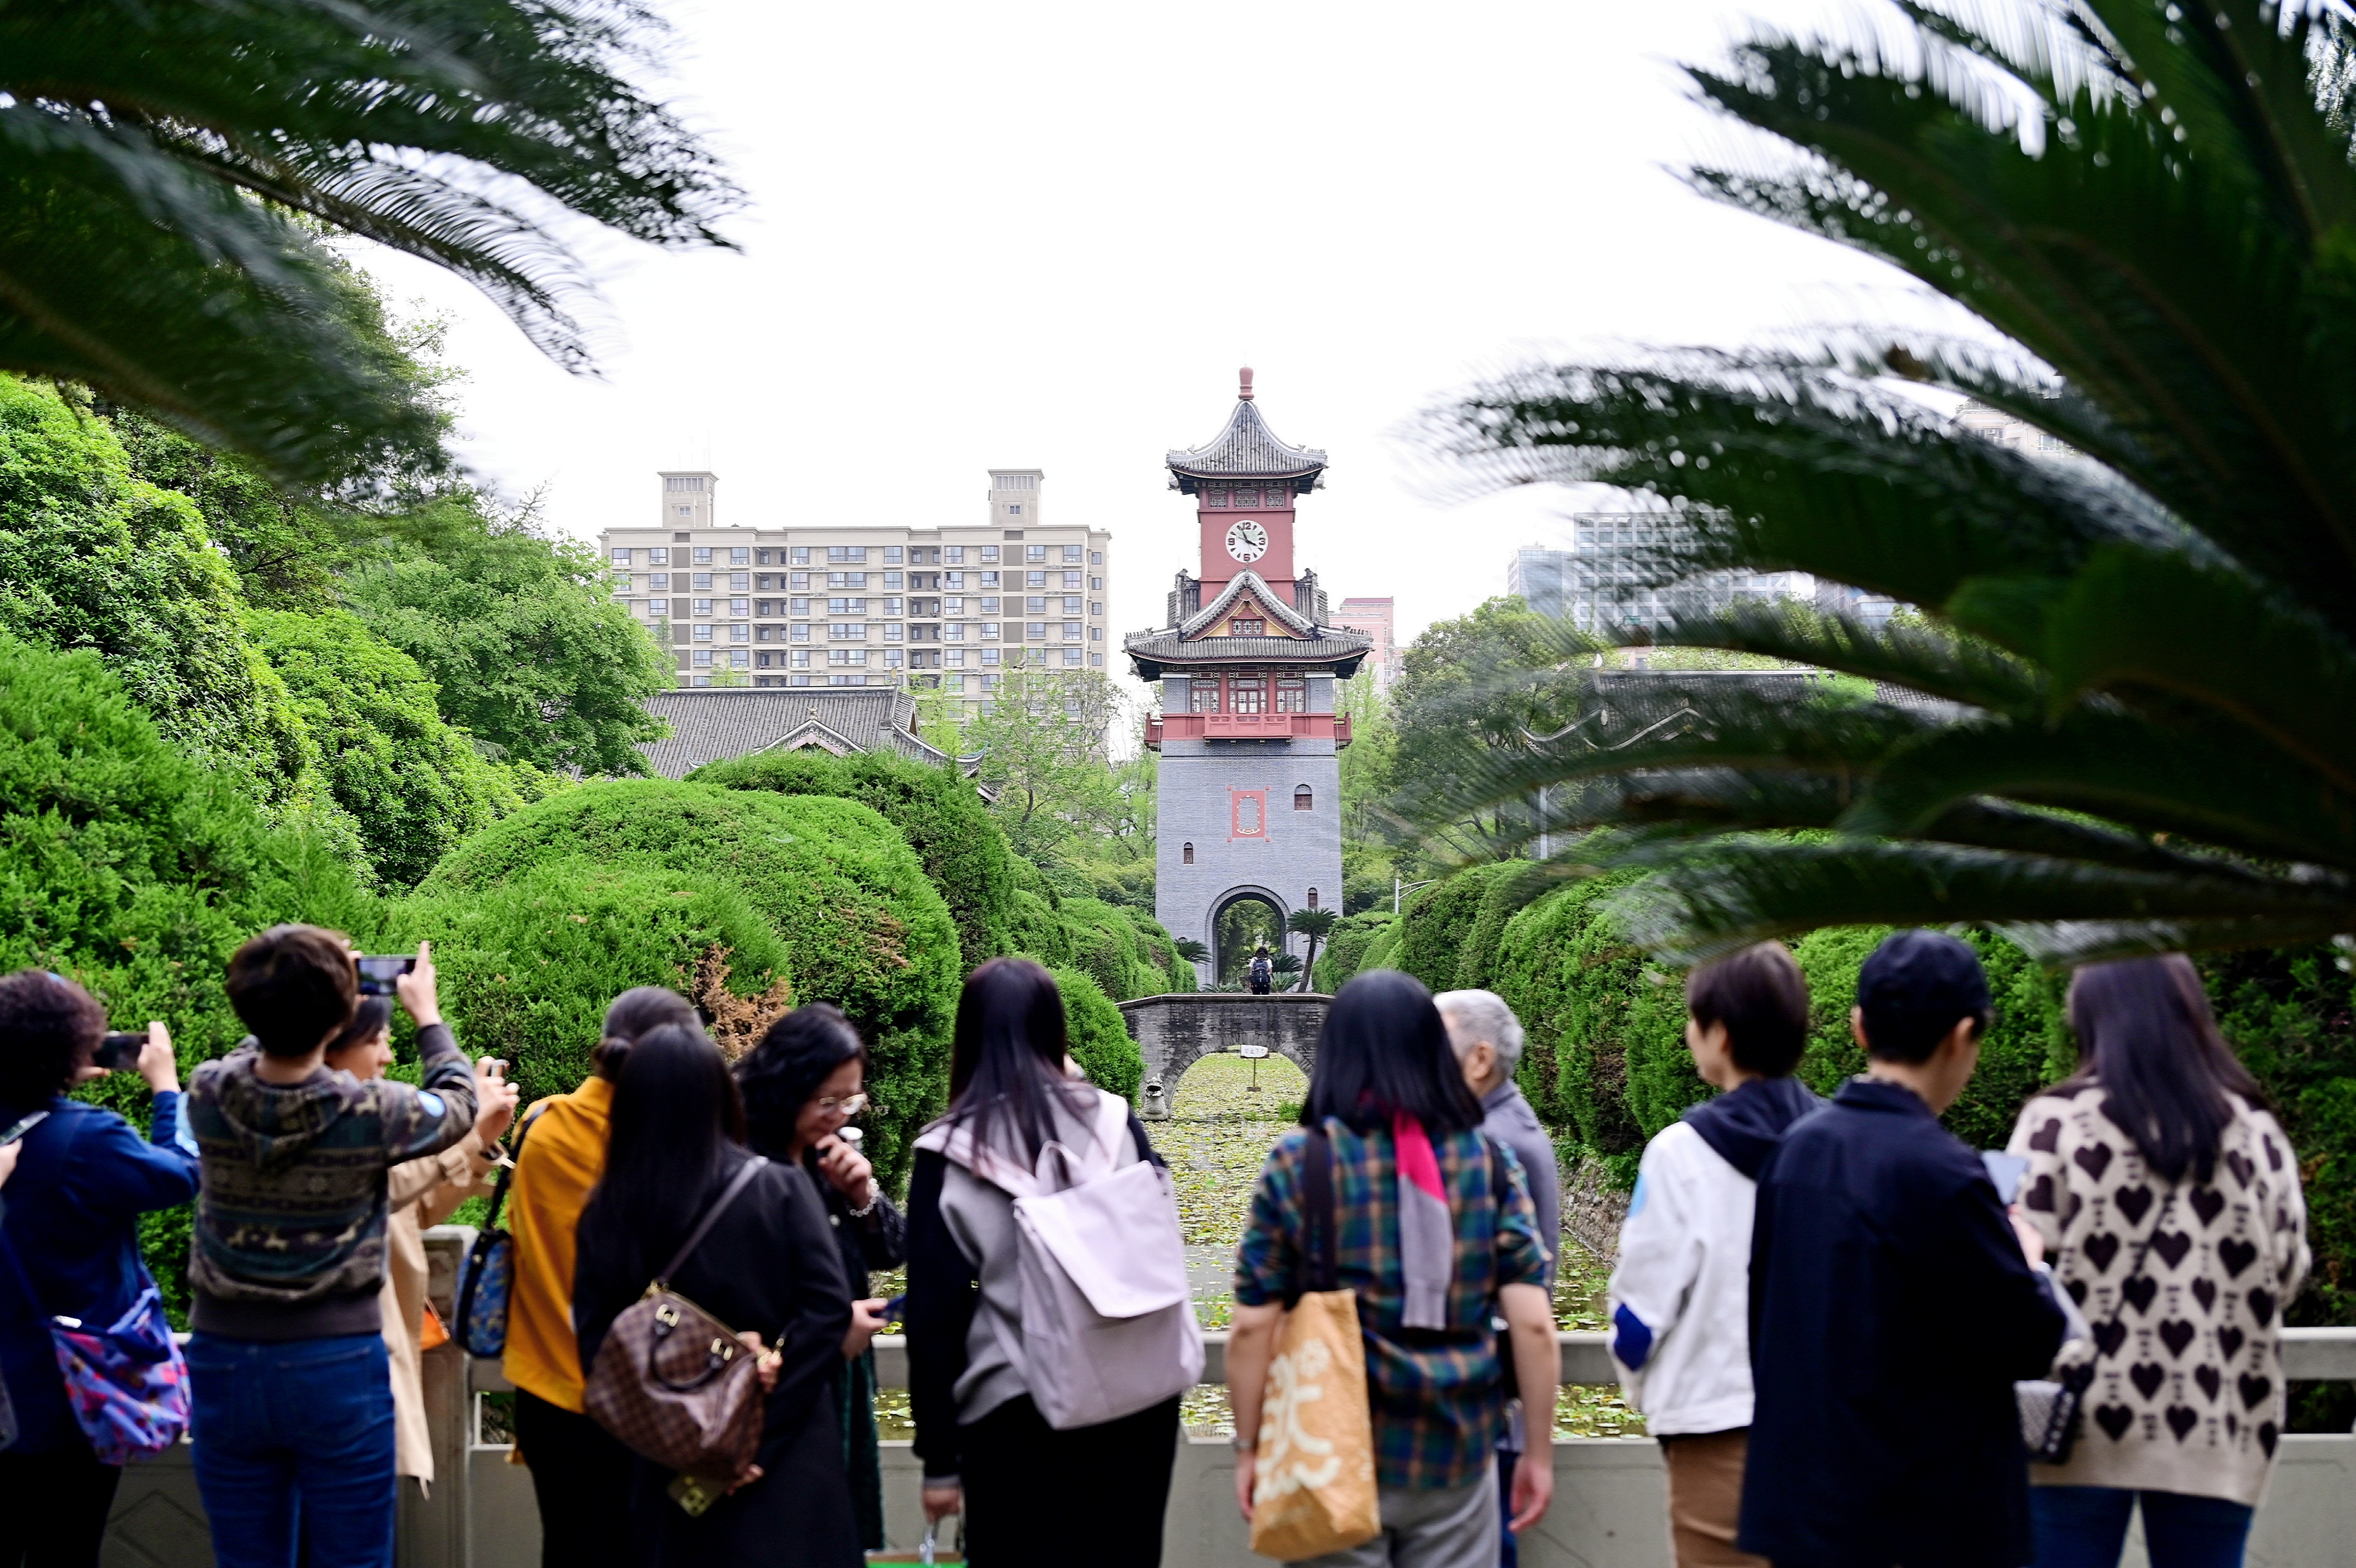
[875, 1196]
[1243, 1445]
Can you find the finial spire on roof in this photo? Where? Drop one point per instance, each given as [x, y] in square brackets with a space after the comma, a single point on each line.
[1246, 393]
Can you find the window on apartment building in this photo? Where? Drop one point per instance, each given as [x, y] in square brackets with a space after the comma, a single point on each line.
[1304, 800]
[1035, 553]
[953, 632]
[703, 634]
[764, 660]
[1072, 605]
[799, 556]
[954, 555]
[1096, 634]
[1096, 557]
[989, 656]
[990, 631]
[892, 631]
[740, 632]
[989, 554]
[658, 556]
[989, 579]
[1036, 605]
[799, 632]
[739, 581]
[704, 606]
[738, 659]
[1186, 855]
[658, 581]
[621, 555]
[800, 658]
[704, 580]
[892, 553]
[1035, 631]
[687, 511]
[768, 557]
[892, 579]
[1014, 509]
[1071, 656]
[740, 555]
[1071, 579]
[1071, 554]
[953, 581]
[1096, 660]
[954, 658]
[1034, 579]
[740, 607]
[798, 580]
[703, 555]
[703, 659]
[839, 553]
[1071, 631]
[991, 682]
[891, 659]
[891, 606]
[1096, 606]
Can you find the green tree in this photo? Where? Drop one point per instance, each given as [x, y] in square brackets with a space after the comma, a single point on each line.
[1041, 742]
[1316, 925]
[2144, 639]
[1467, 686]
[173, 173]
[534, 656]
[413, 785]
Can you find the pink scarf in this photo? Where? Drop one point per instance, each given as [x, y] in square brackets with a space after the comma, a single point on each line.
[1427, 1232]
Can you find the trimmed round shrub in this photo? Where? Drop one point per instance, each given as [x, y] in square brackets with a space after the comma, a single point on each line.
[1345, 951]
[413, 785]
[1439, 920]
[936, 810]
[863, 927]
[527, 966]
[1099, 1036]
[1508, 892]
[1038, 931]
[1124, 950]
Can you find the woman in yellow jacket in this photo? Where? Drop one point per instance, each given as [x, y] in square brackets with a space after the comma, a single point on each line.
[419, 1192]
[580, 1473]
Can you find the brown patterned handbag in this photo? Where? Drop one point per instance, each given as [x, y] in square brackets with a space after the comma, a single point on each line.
[672, 1381]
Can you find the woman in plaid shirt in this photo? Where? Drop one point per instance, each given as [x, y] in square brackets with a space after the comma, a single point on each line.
[1433, 1246]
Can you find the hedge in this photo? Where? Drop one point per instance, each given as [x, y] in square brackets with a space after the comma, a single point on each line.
[1442, 918]
[1125, 950]
[1098, 1036]
[1344, 952]
[862, 926]
[1039, 932]
[527, 966]
[1507, 890]
[936, 810]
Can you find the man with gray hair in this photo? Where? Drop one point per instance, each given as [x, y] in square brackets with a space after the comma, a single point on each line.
[1488, 1041]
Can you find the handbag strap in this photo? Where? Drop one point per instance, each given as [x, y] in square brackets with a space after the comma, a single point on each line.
[743, 1179]
[1321, 1211]
[506, 1171]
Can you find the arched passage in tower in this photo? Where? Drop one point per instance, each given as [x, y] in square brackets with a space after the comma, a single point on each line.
[1240, 919]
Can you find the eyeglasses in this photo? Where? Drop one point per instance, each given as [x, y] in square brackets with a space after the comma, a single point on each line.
[851, 1107]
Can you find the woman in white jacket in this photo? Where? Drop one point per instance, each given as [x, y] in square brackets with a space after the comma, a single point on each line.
[1680, 1295]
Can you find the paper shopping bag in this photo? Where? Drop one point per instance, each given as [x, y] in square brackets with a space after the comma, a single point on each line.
[1313, 1489]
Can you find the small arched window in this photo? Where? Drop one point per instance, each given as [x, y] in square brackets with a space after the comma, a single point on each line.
[1302, 800]
[1312, 897]
[1188, 856]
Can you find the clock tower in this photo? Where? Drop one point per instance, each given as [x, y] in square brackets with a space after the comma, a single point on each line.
[1250, 779]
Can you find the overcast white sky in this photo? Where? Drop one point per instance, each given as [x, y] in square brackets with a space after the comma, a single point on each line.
[1046, 235]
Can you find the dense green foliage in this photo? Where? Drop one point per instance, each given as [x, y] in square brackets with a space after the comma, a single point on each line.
[174, 175]
[2147, 208]
[937, 812]
[1440, 921]
[863, 926]
[92, 557]
[1346, 950]
[528, 964]
[534, 656]
[1038, 931]
[131, 867]
[1098, 1038]
[1123, 949]
[412, 785]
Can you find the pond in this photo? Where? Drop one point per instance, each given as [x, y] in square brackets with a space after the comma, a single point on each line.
[1221, 1129]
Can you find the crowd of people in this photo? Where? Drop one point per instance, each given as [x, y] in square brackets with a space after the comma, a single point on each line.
[1827, 1311]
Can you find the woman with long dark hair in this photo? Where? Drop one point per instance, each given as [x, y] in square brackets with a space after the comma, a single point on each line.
[2170, 1203]
[580, 1472]
[1435, 1232]
[766, 1268]
[802, 1085]
[1031, 1494]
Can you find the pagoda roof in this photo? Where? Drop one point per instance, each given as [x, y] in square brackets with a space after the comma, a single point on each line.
[1242, 583]
[1245, 449]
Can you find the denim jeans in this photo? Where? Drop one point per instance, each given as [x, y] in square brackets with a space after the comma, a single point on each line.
[2086, 1527]
[294, 1450]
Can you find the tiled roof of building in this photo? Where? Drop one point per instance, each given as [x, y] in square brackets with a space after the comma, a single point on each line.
[1242, 583]
[1151, 651]
[1245, 448]
[711, 723]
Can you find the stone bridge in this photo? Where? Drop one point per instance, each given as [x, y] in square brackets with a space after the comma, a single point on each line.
[1175, 1031]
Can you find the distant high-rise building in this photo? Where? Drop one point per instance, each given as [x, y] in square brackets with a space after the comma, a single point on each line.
[1537, 575]
[1598, 583]
[1378, 620]
[865, 605]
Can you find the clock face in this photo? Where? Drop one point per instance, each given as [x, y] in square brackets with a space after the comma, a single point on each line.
[1246, 541]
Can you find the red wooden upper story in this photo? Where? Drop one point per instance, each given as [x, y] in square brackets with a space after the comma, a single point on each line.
[1334, 727]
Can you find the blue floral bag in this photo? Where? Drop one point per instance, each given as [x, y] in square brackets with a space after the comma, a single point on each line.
[487, 1274]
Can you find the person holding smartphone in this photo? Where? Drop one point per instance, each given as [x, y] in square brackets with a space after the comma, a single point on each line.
[83, 1176]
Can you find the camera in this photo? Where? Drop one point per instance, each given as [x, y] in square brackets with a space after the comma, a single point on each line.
[377, 974]
[119, 1051]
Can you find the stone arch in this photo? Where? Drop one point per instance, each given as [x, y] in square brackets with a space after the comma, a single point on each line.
[1175, 1031]
[1238, 894]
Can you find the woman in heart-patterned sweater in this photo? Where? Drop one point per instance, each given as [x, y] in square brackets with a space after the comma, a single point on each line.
[2170, 1203]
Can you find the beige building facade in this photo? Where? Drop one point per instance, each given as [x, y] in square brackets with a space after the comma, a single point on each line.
[1378, 618]
[949, 608]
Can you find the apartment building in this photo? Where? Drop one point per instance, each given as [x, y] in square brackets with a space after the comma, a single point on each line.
[852, 605]
[1378, 618]
[1600, 584]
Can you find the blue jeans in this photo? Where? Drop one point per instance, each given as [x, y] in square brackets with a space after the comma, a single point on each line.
[2086, 1527]
[1509, 1551]
[294, 1450]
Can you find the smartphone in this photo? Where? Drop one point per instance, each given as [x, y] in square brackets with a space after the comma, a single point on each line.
[2006, 1170]
[119, 1052]
[895, 1309]
[25, 1124]
[377, 974]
